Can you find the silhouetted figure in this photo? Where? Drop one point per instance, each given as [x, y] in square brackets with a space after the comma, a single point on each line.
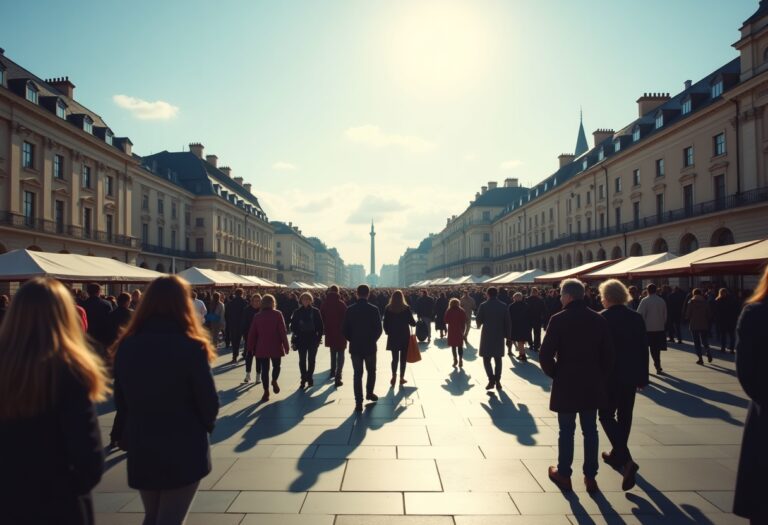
[493, 320]
[307, 329]
[362, 328]
[398, 319]
[456, 319]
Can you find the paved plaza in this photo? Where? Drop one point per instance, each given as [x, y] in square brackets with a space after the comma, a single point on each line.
[442, 451]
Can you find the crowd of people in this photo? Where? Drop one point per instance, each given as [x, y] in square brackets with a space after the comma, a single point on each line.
[61, 355]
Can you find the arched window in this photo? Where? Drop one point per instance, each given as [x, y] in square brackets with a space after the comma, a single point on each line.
[160, 268]
[589, 256]
[559, 262]
[660, 246]
[551, 264]
[616, 253]
[600, 254]
[568, 263]
[688, 244]
[34, 248]
[579, 259]
[636, 250]
[144, 265]
[722, 237]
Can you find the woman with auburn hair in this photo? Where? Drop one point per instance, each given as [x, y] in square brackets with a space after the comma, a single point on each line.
[456, 319]
[164, 389]
[752, 367]
[398, 318]
[268, 341]
[50, 446]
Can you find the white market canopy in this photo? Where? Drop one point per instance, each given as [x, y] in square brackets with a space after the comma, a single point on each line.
[748, 260]
[527, 277]
[681, 266]
[205, 277]
[20, 265]
[573, 272]
[629, 265]
[236, 279]
[300, 285]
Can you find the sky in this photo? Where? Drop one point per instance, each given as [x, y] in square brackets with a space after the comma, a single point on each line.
[340, 112]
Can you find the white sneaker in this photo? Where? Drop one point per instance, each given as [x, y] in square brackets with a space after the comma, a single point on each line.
[247, 378]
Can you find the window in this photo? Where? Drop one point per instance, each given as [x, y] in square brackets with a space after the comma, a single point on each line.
[2, 75]
[199, 244]
[87, 222]
[486, 215]
[686, 108]
[602, 222]
[688, 199]
[173, 210]
[568, 205]
[108, 137]
[88, 125]
[109, 225]
[719, 190]
[86, 176]
[160, 236]
[145, 201]
[551, 214]
[660, 206]
[589, 197]
[636, 134]
[186, 243]
[61, 110]
[199, 222]
[601, 154]
[616, 145]
[659, 167]
[636, 177]
[486, 237]
[218, 222]
[589, 224]
[31, 94]
[187, 218]
[578, 226]
[718, 142]
[58, 216]
[110, 186]
[688, 156]
[659, 120]
[58, 167]
[173, 239]
[584, 164]
[636, 213]
[27, 155]
[486, 252]
[617, 216]
[601, 191]
[145, 233]
[717, 89]
[29, 208]
[160, 207]
[617, 185]
[578, 201]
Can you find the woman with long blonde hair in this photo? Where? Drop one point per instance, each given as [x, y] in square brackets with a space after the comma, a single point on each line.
[164, 389]
[50, 447]
[398, 319]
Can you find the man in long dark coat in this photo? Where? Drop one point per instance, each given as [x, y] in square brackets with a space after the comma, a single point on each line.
[493, 320]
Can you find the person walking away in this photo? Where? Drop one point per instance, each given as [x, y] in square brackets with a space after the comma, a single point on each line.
[577, 353]
[135, 299]
[537, 312]
[50, 446]
[467, 304]
[307, 330]
[362, 328]
[398, 319]
[250, 311]
[726, 312]
[628, 375]
[456, 319]
[675, 304]
[654, 312]
[698, 313]
[4, 302]
[200, 309]
[216, 317]
[493, 321]
[751, 367]
[119, 317]
[97, 310]
[520, 332]
[332, 310]
[268, 342]
[234, 320]
[165, 388]
[425, 310]
[553, 305]
[441, 306]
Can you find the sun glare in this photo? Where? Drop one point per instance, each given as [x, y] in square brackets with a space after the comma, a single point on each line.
[439, 47]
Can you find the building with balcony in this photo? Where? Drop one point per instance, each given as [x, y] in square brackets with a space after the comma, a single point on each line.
[294, 254]
[412, 265]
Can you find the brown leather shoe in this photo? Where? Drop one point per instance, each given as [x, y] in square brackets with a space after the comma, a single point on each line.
[610, 460]
[562, 482]
[628, 472]
[591, 484]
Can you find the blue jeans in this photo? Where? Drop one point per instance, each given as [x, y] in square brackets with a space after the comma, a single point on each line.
[567, 422]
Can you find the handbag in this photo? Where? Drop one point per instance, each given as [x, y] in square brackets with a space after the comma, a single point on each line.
[414, 354]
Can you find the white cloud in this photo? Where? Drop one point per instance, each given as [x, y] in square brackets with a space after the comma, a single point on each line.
[511, 164]
[470, 157]
[374, 136]
[283, 166]
[373, 207]
[145, 110]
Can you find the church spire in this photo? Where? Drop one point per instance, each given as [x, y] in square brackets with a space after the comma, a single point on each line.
[581, 140]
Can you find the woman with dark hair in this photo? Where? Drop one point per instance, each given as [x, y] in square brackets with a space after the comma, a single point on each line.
[752, 367]
[50, 448]
[521, 325]
[726, 311]
[307, 329]
[164, 389]
[268, 342]
[441, 306]
[397, 320]
[456, 319]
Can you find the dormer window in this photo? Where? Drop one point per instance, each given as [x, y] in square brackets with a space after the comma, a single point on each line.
[616, 145]
[686, 107]
[600, 154]
[636, 134]
[88, 124]
[61, 110]
[32, 93]
[717, 89]
[2, 75]
[108, 136]
[554, 182]
[659, 120]
[584, 164]
[546, 186]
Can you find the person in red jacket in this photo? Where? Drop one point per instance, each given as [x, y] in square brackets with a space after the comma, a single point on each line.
[268, 342]
[332, 311]
[456, 319]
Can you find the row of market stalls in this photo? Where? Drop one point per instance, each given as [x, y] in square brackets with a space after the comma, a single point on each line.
[745, 258]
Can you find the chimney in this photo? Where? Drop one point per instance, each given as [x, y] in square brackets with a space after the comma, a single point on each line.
[239, 180]
[226, 170]
[492, 185]
[197, 149]
[650, 101]
[510, 183]
[483, 189]
[63, 85]
[290, 225]
[211, 159]
[565, 158]
[600, 135]
[687, 84]
[247, 187]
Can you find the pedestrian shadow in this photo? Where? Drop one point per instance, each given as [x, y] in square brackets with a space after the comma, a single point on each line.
[113, 460]
[312, 468]
[441, 343]
[458, 383]
[470, 352]
[688, 404]
[703, 392]
[232, 394]
[511, 419]
[581, 515]
[531, 373]
[661, 507]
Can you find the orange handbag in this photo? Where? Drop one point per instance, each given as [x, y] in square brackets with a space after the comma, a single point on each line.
[414, 354]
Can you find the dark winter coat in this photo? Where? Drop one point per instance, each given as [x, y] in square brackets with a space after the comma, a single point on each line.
[520, 321]
[362, 327]
[675, 303]
[397, 327]
[441, 306]
[752, 367]
[493, 320]
[698, 313]
[537, 310]
[630, 345]
[726, 312]
[98, 311]
[51, 462]
[245, 324]
[333, 311]
[118, 318]
[577, 353]
[425, 307]
[307, 328]
[233, 315]
[165, 392]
